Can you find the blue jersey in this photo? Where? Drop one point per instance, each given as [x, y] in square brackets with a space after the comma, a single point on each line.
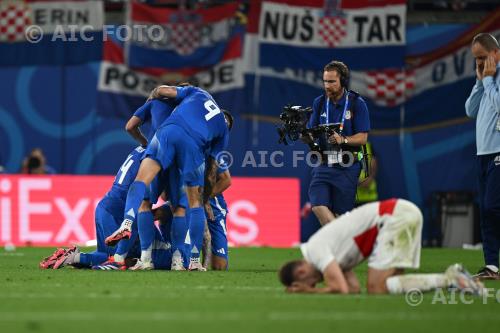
[126, 174]
[199, 115]
[155, 111]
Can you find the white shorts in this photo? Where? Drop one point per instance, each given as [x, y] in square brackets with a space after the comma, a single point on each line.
[398, 242]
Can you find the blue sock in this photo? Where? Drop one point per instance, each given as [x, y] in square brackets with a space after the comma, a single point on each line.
[136, 193]
[196, 229]
[146, 227]
[125, 245]
[93, 258]
[179, 231]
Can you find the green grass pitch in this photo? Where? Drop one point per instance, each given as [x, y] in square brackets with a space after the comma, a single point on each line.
[248, 298]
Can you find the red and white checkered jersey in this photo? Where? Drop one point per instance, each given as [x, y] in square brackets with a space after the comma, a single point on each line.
[350, 238]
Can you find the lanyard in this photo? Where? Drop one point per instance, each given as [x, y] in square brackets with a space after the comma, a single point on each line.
[346, 105]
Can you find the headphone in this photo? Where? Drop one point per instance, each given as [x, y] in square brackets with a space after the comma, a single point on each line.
[343, 71]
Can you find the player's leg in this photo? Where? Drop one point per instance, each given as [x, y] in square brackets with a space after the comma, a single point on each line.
[179, 231]
[146, 227]
[105, 224]
[207, 246]
[196, 226]
[392, 281]
[219, 249]
[139, 189]
[180, 228]
[320, 195]
[107, 219]
[191, 160]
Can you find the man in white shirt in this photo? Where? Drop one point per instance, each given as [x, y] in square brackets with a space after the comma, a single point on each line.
[388, 234]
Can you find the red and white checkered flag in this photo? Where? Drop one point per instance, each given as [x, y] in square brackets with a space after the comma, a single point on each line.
[14, 18]
[185, 37]
[332, 30]
[390, 87]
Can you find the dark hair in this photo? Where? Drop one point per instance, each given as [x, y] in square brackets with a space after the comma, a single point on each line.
[286, 273]
[229, 118]
[33, 163]
[488, 41]
[340, 68]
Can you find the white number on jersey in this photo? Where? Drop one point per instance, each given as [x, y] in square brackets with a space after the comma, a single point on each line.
[212, 109]
[124, 169]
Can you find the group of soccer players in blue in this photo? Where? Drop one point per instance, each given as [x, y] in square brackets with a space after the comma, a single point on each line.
[178, 162]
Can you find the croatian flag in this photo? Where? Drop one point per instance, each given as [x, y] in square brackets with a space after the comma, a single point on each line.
[167, 38]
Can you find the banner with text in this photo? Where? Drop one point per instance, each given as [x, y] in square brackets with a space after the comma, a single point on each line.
[59, 210]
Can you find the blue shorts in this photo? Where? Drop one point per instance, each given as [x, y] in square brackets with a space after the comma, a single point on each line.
[218, 234]
[161, 255]
[172, 144]
[169, 181]
[157, 186]
[334, 187]
[175, 189]
[108, 218]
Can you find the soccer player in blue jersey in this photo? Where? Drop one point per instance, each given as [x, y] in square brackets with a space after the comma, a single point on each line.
[196, 127]
[108, 216]
[156, 111]
[217, 220]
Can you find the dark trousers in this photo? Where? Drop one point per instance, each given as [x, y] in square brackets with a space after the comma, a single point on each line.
[489, 205]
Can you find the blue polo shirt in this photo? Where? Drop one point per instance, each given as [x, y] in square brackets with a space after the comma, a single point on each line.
[357, 119]
[484, 105]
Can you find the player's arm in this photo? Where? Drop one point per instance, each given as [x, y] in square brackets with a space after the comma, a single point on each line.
[164, 91]
[210, 178]
[133, 128]
[472, 103]
[335, 282]
[223, 182]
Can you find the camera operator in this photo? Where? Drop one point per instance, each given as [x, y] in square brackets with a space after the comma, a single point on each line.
[333, 185]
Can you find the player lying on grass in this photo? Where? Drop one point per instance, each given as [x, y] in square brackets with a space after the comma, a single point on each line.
[387, 233]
